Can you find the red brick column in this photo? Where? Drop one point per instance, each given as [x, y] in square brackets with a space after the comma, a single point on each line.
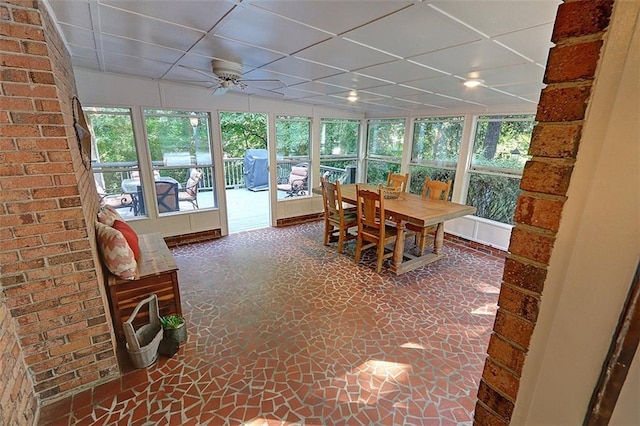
[578, 35]
[56, 333]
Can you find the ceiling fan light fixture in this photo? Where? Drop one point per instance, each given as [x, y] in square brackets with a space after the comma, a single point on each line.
[473, 82]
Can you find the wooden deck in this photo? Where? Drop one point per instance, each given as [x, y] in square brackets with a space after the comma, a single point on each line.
[246, 209]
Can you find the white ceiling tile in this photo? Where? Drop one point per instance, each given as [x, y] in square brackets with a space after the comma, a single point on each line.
[394, 91]
[79, 36]
[523, 73]
[322, 14]
[353, 80]
[318, 87]
[76, 13]
[413, 31]
[431, 99]
[156, 39]
[520, 41]
[230, 50]
[302, 69]
[198, 14]
[343, 54]
[287, 80]
[124, 24]
[263, 29]
[470, 57]
[523, 89]
[143, 50]
[85, 53]
[399, 71]
[500, 16]
[134, 66]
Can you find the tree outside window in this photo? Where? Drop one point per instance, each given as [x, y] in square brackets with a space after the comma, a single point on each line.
[385, 140]
[435, 150]
[500, 150]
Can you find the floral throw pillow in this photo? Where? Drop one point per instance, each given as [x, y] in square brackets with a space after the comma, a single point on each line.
[108, 214]
[116, 253]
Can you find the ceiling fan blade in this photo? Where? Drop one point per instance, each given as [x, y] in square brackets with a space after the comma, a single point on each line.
[263, 79]
[199, 71]
[219, 91]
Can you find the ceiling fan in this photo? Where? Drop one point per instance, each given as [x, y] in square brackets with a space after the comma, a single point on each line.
[227, 75]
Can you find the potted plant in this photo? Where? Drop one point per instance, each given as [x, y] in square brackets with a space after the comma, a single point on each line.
[174, 327]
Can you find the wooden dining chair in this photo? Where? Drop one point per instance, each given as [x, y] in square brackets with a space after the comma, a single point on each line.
[434, 190]
[372, 226]
[395, 180]
[337, 220]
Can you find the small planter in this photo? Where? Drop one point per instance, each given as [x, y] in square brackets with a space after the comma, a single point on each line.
[175, 328]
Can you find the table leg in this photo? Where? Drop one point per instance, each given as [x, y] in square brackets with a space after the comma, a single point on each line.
[439, 240]
[399, 246]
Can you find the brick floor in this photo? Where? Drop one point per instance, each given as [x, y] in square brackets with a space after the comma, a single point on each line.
[283, 330]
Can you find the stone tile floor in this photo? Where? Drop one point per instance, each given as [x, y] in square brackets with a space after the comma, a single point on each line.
[283, 330]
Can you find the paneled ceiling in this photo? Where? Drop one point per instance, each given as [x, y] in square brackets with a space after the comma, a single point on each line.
[398, 56]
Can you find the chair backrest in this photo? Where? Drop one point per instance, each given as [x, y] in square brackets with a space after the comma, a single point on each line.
[435, 189]
[395, 180]
[332, 196]
[192, 183]
[298, 173]
[370, 204]
[167, 193]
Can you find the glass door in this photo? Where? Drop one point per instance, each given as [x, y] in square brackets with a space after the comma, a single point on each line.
[246, 170]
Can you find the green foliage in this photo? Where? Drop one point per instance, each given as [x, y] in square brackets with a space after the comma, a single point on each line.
[293, 136]
[339, 137]
[378, 171]
[171, 322]
[114, 136]
[502, 143]
[437, 140]
[242, 131]
[385, 138]
[494, 197]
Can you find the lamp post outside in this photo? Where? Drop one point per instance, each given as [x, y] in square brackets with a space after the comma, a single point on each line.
[194, 120]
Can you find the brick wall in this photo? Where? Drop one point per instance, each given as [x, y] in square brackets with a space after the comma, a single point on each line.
[53, 300]
[578, 34]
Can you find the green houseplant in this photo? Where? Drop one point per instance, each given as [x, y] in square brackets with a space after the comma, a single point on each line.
[174, 327]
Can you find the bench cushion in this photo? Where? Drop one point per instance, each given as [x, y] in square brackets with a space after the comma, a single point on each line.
[116, 253]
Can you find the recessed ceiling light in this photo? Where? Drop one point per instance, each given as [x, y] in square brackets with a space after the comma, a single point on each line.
[353, 96]
[473, 82]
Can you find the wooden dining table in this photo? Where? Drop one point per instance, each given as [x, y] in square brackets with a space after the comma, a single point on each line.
[419, 211]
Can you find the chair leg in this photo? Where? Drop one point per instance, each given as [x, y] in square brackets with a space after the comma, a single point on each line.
[340, 241]
[380, 258]
[327, 232]
[358, 249]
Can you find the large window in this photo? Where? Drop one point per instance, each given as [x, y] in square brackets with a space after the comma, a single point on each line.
[339, 149]
[500, 151]
[179, 145]
[385, 141]
[435, 149]
[293, 148]
[114, 156]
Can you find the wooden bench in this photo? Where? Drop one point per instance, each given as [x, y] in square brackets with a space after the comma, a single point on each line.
[157, 273]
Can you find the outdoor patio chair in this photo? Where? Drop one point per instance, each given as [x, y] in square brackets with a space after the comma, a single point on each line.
[372, 226]
[190, 192]
[167, 195]
[434, 190]
[115, 200]
[297, 183]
